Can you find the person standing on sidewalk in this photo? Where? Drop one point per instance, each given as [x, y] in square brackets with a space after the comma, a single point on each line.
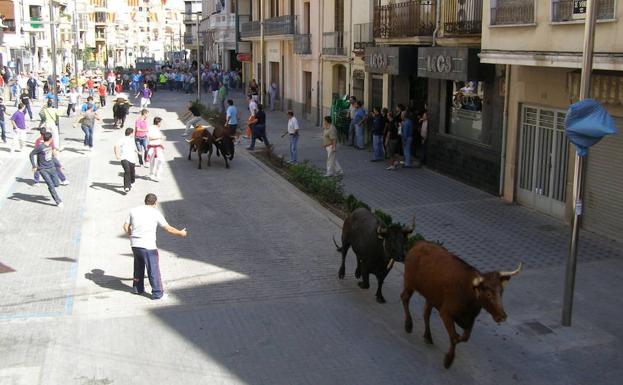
[44, 154]
[378, 126]
[392, 140]
[146, 95]
[231, 118]
[140, 137]
[125, 151]
[272, 95]
[293, 133]
[423, 153]
[352, 109]
[20, 130]
[406, 132]
[2, 122]
[359, 120]
[329, 141]
[155, 150]
[141, 227]
[50, 120]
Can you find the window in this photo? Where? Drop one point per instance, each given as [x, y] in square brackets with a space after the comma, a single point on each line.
[35, 11]
[509, 12]
[465, 101]
[562, 10]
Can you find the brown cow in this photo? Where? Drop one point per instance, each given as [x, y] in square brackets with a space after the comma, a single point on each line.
[200, 141]
[453, 287]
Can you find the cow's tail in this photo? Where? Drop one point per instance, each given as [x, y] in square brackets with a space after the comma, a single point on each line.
[339, 248]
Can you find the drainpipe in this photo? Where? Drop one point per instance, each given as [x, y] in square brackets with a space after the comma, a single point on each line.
[262, 62]
[437, 21]
[350, 53]
[507, 83]
[320, 66]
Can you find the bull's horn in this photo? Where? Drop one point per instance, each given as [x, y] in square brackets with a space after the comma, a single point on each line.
[390, 264]
[381, 230]
[409, 229]
[511, 273]
[477, 281]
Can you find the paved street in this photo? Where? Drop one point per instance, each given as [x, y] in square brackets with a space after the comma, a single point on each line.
[254, 295]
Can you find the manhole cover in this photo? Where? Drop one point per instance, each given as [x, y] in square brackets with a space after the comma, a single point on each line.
[5, 269]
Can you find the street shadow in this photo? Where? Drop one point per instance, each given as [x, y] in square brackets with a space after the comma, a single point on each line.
[108, 186]
[29, 182]
[61, 259]
[40, 199]
[5, 149]
[74, 140]
[74, 150]
[108, 281]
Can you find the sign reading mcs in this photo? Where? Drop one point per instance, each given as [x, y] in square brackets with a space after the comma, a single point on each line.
[579, 9]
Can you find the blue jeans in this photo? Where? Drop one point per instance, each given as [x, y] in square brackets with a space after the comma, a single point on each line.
[2, 127]
[406, 148]
[358, 136]
[59, 172]
[51, 179]
[88, 135]
[141, 146]
[258, 132]
[29, 110]
[294, 141]
[149, 259]
[377, 146]
[351, 133]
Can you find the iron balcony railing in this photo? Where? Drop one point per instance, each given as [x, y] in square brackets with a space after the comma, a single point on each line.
[282, 25]
[362, 36]
[302, 44]
[333, 43]
[406, 19]
[189, 39]
[462, 17]
[511, 12]
[562, 10]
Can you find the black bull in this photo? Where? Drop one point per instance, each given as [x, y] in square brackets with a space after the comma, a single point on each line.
[376, 247]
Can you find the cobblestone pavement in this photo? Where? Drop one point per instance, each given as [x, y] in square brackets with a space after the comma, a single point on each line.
[254, 295]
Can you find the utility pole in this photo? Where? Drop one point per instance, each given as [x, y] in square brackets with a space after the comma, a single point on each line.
[198, 59]
[262, 69]
[53, 46]
[578, 179]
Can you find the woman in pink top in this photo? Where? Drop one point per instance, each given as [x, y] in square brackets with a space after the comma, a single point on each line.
[140, 136]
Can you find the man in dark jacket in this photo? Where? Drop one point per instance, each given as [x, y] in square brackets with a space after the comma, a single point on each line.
[42, 160]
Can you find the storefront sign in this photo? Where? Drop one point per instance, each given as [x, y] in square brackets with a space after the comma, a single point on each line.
[447, 63]
[244, 57]
[390, 60]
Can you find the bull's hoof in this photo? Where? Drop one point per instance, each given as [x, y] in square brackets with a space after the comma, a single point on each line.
[380, 299]
[341, 273]
[358, 273]
[428, 338]
[363, 285]
[447, 361]
[409, 325]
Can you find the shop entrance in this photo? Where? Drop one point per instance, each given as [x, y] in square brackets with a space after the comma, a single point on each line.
[543, 160]
[307, 92]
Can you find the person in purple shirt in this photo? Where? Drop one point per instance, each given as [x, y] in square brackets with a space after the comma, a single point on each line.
[42, 160]
[145, 94]
[19, 128]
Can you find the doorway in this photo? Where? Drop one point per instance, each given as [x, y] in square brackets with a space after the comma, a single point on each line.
[274, 78]
[543, 160]
[307, 94]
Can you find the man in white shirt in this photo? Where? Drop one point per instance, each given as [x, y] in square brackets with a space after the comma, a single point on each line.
[126, 152]
[252, 105]
[293, 132]
[141, 227]
[72, 100]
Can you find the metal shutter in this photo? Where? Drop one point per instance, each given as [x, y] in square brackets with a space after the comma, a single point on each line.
[603, 194]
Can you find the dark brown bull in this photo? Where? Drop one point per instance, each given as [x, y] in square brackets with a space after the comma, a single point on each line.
[200, 141]
[453, 287]
[224, 143]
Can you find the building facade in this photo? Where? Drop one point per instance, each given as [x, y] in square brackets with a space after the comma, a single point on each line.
[541, 43]
[218, 29]
[192, 19]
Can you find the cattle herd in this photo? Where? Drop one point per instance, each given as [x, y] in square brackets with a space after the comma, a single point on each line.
[457, 290]
[203, 140]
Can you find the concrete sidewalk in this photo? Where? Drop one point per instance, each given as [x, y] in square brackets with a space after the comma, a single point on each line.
[254, 295]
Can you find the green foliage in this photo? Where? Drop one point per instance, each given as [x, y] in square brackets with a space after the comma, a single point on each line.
[385, 218]
[352, 203]
[313, 181]
[213, 117]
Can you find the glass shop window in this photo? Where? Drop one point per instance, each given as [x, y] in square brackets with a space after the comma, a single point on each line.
[465, 101]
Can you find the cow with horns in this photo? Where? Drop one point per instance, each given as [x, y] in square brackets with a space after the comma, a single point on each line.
[376, 246]
[456, 289]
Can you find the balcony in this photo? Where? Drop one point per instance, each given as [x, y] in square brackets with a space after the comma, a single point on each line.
[462, 17]
[189, 39]
[276, 26]
[407, 19]
[512, 12]
[302, 44]
[562, 10]
[222, 21]
[333, 43]
[362, 36]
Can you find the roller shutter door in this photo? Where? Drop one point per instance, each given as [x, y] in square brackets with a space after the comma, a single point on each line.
[603, 194]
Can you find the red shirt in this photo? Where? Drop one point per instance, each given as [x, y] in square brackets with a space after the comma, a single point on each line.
[101, 90]
[90, 83]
